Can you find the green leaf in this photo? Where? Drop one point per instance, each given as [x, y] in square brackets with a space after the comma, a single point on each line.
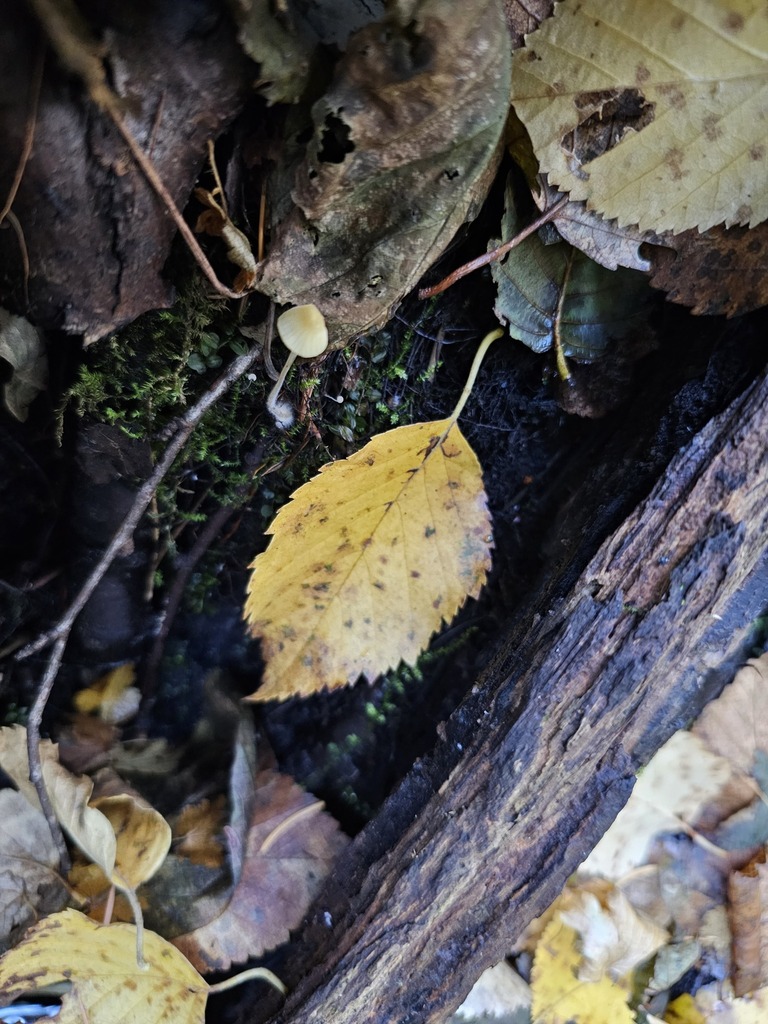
[554, 292]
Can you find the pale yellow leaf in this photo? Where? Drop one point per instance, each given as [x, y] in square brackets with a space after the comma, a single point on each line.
[683, 1011]
[87, 827]
[559, 997]
[107, 985]
[655, 113]
[682, 778]
[143, 837]
[498, 993]
[368, 559]
[113, 696]
[15, 763]
[614, 937]
[715, 1007]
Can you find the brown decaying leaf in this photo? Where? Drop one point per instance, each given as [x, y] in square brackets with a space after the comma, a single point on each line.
[722, 271]
[100, 963]
[735, 725]
[524, 17]
[368, 559]
[748, 917]
[290, 846]
[600, 239]
[404, 148]
[30, 885]
[197, 832]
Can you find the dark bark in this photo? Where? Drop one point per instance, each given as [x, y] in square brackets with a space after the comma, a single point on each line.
[537, 762]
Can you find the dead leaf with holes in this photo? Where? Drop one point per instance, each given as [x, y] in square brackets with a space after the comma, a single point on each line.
[368, 559]
[107, 986]
[405, 145]
[290, 845]
[653, 113]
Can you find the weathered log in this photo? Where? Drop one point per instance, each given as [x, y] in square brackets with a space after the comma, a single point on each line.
[539, 759]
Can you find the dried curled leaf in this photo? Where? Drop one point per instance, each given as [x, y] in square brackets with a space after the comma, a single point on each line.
[100, 962]
[404, 148]
[368, 559]
[290, 845]
[653, 113]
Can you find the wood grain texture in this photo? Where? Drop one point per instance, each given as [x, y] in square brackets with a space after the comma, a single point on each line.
[543, 754]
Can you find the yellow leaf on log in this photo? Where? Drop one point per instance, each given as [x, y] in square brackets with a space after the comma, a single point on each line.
[107, 985]
[558, 995]
[652, 112]
[368, 559]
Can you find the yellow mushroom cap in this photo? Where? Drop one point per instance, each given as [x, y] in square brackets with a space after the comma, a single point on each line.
[303, 331]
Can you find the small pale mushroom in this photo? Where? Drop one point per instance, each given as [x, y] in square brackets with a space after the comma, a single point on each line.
[304, 333]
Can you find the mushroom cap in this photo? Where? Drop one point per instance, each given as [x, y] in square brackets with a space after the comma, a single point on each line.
[303, 331]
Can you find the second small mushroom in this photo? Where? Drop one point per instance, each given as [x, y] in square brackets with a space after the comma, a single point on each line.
[303, 331]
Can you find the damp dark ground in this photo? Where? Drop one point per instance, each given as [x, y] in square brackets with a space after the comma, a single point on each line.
[557, 484]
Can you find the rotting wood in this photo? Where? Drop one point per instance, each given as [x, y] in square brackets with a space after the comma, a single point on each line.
[542, 755]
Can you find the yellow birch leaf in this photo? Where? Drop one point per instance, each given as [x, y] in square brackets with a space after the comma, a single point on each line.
[559, 997]
[653, 112]
[368, 559]
[88, 828]
[142, 834]
[100, 962]
[683, 1011]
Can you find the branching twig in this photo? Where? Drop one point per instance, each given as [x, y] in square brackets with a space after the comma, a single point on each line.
[59, 634]
[494, 254]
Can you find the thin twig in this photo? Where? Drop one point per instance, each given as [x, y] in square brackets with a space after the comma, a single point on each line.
[59, 634]
[33, 750]
[15, 223]
[187, 564]
[29, 132]
[494, 254]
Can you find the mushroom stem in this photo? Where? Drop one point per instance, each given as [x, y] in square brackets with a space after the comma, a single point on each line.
[272, 405]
